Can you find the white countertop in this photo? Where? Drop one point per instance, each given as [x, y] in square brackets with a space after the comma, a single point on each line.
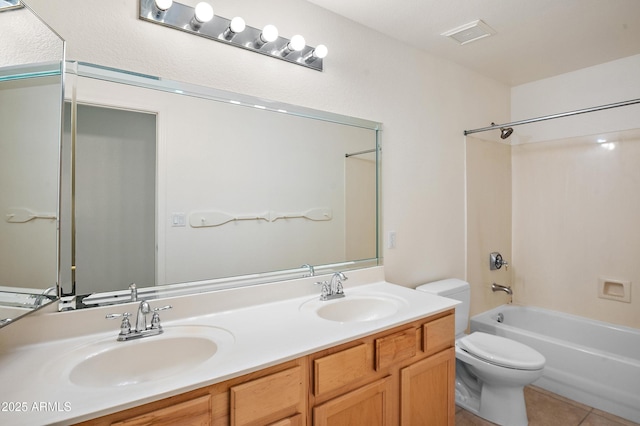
[265, 324]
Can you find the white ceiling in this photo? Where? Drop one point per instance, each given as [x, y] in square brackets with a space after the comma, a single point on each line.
[534, 39]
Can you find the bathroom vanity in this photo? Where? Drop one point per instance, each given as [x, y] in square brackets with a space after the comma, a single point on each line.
[383, 354]
[401, 376]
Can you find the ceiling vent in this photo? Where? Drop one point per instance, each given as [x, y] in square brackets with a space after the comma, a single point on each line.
[470, 32]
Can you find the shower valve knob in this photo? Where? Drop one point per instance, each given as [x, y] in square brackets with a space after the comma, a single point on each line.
[496, 261]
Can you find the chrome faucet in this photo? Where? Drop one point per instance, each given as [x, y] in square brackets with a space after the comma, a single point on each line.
[497, 287]
[40, 299]
[141, 318]
[134, 292]
[335, 285]
[312, 271]
[141, 329]
[333, 289]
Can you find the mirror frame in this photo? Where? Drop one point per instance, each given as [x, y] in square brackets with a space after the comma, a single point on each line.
[93, 71]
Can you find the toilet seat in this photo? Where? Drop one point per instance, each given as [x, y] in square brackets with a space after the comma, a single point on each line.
[501, 351]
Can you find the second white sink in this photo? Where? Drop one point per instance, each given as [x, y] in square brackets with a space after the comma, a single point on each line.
[355, 307]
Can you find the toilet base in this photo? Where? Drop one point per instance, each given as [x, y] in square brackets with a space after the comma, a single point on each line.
[503, 405]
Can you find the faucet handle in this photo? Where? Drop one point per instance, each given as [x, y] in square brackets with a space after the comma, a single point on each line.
[126, 315]
[325, 290]
[125, 326]
[496, 261]
[155, 318]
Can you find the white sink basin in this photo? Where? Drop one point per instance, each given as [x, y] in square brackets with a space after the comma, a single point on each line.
[108, 363]
[355, 307]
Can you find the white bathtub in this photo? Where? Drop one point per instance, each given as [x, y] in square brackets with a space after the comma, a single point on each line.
[589, 361]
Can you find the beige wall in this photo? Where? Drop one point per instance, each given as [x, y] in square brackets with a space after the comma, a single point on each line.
[488, 220]
[564, 214]
[575, 209]
[423, 102]
[575, 202]
[26, 40]
[603, 84]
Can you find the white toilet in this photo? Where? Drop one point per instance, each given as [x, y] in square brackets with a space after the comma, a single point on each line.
[491, 371]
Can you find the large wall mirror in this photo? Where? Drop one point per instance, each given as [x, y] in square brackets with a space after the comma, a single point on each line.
[31, 76]
[181, 188]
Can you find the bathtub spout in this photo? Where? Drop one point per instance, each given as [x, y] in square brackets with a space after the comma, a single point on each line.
[497, 287]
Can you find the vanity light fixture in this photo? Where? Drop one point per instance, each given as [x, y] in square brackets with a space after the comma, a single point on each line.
[201, 21]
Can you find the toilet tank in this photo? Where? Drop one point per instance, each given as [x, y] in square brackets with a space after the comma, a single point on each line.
[453, 289]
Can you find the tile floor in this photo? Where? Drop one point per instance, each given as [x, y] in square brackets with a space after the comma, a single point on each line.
[548, 409]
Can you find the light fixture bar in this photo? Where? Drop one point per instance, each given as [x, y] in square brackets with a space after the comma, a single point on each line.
[181, 17]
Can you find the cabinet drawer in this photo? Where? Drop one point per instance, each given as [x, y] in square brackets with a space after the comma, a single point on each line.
[195, 412]
[395, 348]
[438, 334]
[342, 368]
[268, 398]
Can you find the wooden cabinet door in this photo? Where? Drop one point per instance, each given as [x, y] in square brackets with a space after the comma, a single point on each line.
[196, 412]
[427, 391]
[368, 405]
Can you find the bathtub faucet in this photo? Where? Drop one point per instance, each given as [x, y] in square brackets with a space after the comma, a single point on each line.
[497, 287]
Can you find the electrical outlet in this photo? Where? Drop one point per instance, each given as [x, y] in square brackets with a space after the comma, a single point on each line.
[391, 239]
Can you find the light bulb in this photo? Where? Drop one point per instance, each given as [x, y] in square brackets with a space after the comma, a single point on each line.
[160, 8]
[297, 43]
[269, 33]
[320, 51]
[237, 25]
[204, 12]
[163, 4]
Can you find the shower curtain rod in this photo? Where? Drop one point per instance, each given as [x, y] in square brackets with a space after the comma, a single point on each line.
[552, 116]
[360, 152]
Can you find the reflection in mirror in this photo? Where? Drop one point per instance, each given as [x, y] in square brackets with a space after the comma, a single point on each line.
[187, 188]
[9, 4]
[31, 61]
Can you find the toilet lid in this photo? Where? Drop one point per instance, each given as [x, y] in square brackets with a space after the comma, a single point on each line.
[501, 351]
